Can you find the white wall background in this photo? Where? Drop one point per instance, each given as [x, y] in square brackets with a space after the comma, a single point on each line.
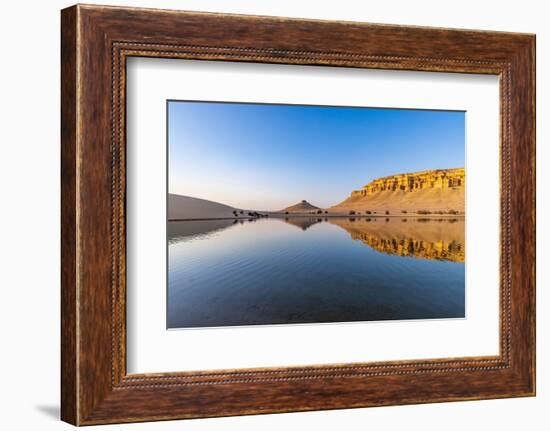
[29, 215]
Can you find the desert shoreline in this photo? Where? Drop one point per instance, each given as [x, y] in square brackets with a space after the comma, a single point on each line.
[279, 215]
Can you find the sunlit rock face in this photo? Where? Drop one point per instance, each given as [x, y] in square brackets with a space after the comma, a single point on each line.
[434, 190]
[436, 179]
[439, 239]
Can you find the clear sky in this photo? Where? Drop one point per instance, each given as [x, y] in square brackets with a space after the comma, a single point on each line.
[267, 157]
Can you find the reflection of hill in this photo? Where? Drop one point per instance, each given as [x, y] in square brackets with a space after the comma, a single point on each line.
[439, 239]
[178, 230]
[302, 222]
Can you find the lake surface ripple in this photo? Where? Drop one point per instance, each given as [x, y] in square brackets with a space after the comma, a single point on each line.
[314, 270]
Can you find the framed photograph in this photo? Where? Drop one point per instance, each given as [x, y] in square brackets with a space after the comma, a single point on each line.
[265, 215]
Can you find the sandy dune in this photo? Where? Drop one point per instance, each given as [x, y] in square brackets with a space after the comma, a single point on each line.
[186, 207]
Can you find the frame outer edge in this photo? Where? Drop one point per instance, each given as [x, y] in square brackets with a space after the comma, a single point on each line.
[533, 54]
[523, 216]
[87, 396]
[69, 202]
[529, 62]
[532, 101]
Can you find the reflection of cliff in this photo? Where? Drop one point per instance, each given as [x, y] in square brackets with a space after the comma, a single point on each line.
[441, 239]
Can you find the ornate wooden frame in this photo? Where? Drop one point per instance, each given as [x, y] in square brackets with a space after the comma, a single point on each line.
[96, 41]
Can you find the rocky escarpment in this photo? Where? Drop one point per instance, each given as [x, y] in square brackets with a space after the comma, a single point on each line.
[439, 190]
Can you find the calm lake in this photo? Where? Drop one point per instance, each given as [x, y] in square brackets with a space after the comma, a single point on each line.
[313, 270]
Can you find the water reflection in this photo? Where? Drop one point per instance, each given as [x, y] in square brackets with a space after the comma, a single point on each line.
[197, 229]
[426, 238]
[439, 239]
[303, 223]
[314, 269]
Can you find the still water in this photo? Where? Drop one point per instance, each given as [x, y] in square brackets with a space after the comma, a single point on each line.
[313, 270]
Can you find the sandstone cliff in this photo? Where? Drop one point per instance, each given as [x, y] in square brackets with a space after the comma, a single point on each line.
[440, 190]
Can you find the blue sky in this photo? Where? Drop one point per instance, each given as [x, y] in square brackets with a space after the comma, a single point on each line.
[267, 157]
